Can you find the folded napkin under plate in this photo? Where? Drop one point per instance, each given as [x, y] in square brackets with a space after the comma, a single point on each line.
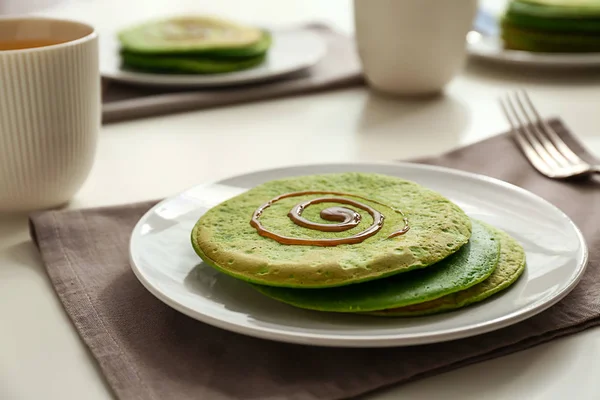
[149, 351]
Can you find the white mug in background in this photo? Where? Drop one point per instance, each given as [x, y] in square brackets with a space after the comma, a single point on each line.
[49, 110]
[412, 47]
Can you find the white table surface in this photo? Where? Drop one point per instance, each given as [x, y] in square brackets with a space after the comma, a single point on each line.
[41, 355]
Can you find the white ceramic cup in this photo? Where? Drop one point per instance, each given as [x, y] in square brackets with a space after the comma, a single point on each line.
[49, 111]
[412, 47]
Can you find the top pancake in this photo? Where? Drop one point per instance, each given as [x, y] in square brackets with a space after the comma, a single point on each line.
[224, 238]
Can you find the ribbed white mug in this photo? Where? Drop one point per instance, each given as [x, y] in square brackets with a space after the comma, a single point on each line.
[49, 111]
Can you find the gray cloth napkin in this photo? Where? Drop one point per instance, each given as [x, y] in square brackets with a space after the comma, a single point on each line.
[149, 351]
[339, 68]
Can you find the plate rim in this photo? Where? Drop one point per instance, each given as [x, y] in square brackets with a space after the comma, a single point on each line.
[478, 48]
[365, 341]
[158, 80]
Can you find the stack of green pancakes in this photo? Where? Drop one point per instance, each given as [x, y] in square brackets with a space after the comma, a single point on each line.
[357, 243]
[193, 45]
[568, 26]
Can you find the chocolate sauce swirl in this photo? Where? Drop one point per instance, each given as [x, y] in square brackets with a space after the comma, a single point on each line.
[345, 217]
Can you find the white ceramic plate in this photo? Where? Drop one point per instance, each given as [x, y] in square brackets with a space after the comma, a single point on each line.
[292, 51]
[164, 261]
[491, 48]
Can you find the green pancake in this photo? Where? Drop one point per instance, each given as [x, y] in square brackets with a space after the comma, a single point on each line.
[509, 269]
[548, 42]
[556, 9]
[555, 26]
[518, 15]
[224, 238]
[552, 26]
[472, 264]
[197, 35]
[188, 65]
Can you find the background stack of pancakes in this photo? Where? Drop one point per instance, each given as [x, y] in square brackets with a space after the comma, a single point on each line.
[193, 45]
[446, 260]
[567, 26]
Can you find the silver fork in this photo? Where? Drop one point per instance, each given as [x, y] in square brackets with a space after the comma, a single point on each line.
[540, 143]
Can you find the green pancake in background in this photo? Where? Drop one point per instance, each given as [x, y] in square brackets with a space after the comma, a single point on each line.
[224, 238]
[188, 65]
[549, 42]
[556, 9]
[472, 264]
[552, 26]
[523, 16]
[197, 35]
[510, 267]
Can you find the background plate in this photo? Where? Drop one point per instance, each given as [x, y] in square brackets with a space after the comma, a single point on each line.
[292, 51]
[163, 260]
[491, 48]
[484, 42]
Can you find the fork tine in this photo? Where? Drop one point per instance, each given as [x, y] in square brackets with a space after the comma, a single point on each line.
[524, 128]
[539, 133]
[551, 133]
[537, 161]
